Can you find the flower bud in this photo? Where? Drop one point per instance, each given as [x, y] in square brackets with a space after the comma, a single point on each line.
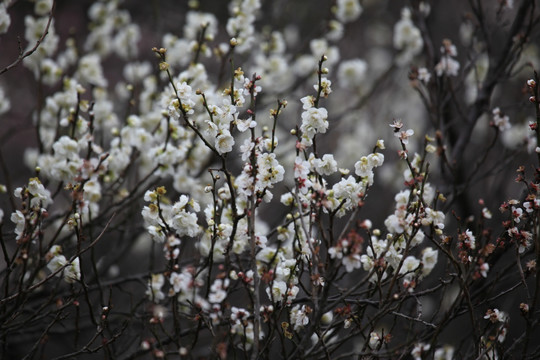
[163, 66]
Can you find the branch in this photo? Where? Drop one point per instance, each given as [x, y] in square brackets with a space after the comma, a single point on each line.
[22, 55]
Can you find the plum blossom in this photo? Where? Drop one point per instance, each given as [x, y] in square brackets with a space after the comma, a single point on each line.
[374, 339]
[424, 75]
[224, 142]
[20, 222]
[184, 222]
[495, 315]
[352, 73]
[434, 217]
[532, 205]
[70, 270]
[196, 20]
[407, 38]
[429, 260]
[5, 19]
[348, 10]
[484, 268]
[404, 135]
[325, 166]
[90, 70]
[419, 350]
[325, 87]
[4, 102]
[351, 262]
[299, 316]
[517, 213]
[270, 171]
[155, 283]
[468, 239]
[314, 120]
[447, 65]
[410, 264]
[500, 120]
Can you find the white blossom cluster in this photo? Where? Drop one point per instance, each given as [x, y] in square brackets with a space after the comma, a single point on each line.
[448, 65]
[256, 204]
[407, 38]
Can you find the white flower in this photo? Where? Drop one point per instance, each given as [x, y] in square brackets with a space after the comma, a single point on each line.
[495, 315]
[66, 148]
[469, 240]
[5, 20]
[487, 214]
[404, 135]
[394, 224]
[407, 37]
[43, 7]
[352, 73]
[444, 353]
[335, 30]
[434, 217]
[278, 290]
[517, 213]
[299, 317]
[374, 339]
[125, 41]
[348, 10]
[351, 262]
[447, 66]
[136, 72]
[246, 148]
[224, 143]
[180, 282]
[484, 268]
[270, 171]
[325, 87]
[301, 168]
[72, 272]
[307, 102]
[348, 189]
[40, 195]
[195, 21]
[429, 260]
[18, 219]
[56, 262]
[500, 120]
[185, 223]
[218, 291]
[4, 102]
[243, 125]
[419, 349]
[319, 47]
[314, 120]
[325, 166]
[238, 314]
[155, 283]
[90, 70]
[409, 265]
[363, 167]
[34, 29]
[375, 159]
[424, 75]
[50, 72]
[327, 317]
[531, 206]
[304, 65]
